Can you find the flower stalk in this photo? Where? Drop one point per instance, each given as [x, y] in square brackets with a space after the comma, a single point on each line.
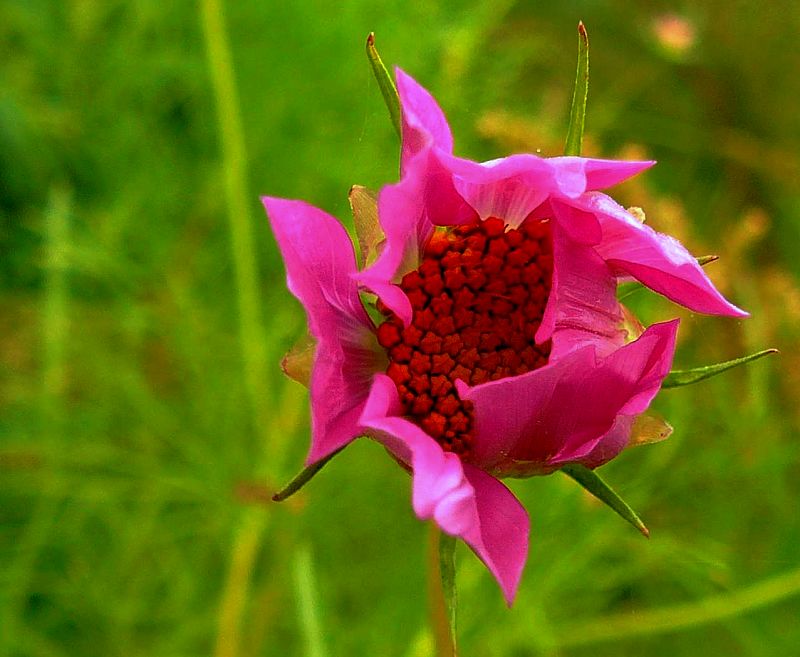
[442, 591]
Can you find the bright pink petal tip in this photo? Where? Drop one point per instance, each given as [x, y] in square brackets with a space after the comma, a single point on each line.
[424, 123]
[320, 262]
[463, 500]
[576, 175]
[658, 261]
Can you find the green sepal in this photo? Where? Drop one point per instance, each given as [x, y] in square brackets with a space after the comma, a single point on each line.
[649, 428]
[364, 205]
[678, 378]
[385, 83]
[302, 478]
[577, 112]
[594, 484]
[297, 362]
[636, 286]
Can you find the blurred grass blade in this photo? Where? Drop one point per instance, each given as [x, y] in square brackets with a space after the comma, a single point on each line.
[385, 82]
[308, 602]
[678, 378]
[577, 113]
[592, 482]
[633, 288]
[364, 205]
[302, 478]
[442, 591]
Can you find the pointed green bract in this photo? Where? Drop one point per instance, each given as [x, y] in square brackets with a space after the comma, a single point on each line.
[302, 478]
[577, 113]
[385, 83]
[593, 483]
[678, 378]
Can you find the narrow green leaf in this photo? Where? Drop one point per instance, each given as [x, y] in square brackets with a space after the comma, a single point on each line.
[633, 288]
[592, 482]
[302, 478]
[385, 83]
[678, 378]
[577, 113]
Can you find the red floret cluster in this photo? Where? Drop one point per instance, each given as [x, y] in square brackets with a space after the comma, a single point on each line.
[478, 296]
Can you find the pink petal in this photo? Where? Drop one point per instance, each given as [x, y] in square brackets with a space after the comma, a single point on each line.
[408, 211]
[320, 263]
[424, 123]
[658, 261]
[509, 188]
[611, 444]
[583, 307]
[560, 412]
[500, 538]
[461, 499]
[587, 174]
[401, 212]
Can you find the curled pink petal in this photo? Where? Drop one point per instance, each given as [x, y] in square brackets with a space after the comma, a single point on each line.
[559, 413]
[424, 124]
[320, 262]
[500, 538]
[461, 499]
[658, 261]
[610, 444]
[510, 188]
[408, 212]
[583, 307]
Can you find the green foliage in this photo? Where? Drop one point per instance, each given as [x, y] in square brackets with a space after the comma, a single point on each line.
[136, 455]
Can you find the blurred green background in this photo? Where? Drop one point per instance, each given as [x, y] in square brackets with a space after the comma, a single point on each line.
[144, 420]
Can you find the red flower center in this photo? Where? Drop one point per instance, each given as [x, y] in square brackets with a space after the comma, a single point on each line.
[478, 298]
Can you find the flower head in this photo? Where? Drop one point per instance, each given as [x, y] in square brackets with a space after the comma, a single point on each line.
[501, 349]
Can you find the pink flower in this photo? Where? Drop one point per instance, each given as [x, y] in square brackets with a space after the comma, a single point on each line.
[501, 351]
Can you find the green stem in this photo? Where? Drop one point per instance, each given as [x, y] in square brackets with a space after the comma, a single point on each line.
[442, 591]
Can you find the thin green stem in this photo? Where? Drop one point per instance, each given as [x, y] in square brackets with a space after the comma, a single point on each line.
[441, 591]
[679, 617]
